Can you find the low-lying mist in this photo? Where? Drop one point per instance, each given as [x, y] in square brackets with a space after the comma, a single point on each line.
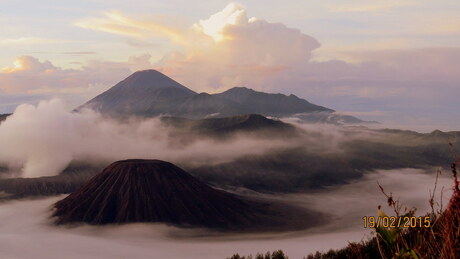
[42, 140]
[26, 231]
[250, 152]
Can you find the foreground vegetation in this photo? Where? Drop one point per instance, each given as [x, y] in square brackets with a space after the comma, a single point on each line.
[275, 255]
[440, 240]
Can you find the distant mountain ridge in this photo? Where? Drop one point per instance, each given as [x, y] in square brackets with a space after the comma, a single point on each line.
[221, 127]
[151, 93]
[253, 101]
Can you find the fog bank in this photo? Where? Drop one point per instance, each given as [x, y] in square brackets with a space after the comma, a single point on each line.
[26, 231]
[42, 140]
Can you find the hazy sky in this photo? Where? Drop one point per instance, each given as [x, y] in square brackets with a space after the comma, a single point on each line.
[392, 61]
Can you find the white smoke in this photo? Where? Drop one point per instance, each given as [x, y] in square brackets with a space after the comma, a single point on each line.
[42, 140]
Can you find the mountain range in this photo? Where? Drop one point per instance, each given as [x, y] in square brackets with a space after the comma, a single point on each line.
[150, 93]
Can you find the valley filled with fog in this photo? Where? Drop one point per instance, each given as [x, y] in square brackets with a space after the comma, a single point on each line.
[27, 231]
[329, 169]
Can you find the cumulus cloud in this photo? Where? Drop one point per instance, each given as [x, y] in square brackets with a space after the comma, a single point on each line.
[232, 14]
[219, 52]
[238, 51]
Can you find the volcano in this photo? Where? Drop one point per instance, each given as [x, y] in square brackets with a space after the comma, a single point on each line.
[150, 93]
[157, 191]
[146, 92]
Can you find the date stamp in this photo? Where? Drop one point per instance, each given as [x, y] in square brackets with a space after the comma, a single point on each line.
[396, 222]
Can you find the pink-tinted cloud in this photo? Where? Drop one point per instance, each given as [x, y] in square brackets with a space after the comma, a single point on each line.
[30, 75]
[235, 50]
[273, 57]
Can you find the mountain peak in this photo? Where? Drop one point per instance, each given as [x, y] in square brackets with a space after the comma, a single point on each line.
[147, 71]
[145, 92]
[150, 79]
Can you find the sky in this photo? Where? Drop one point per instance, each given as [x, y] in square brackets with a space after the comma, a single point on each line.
[397, 62]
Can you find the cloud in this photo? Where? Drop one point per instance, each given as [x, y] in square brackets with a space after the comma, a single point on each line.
[219, 52]
[366, 113]
[117, 23]
[28, 40]
[30, 75]
[235, 50]
[8, 102]
[30, 80]
[79, 52]
[42, 140]
[215, 25]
